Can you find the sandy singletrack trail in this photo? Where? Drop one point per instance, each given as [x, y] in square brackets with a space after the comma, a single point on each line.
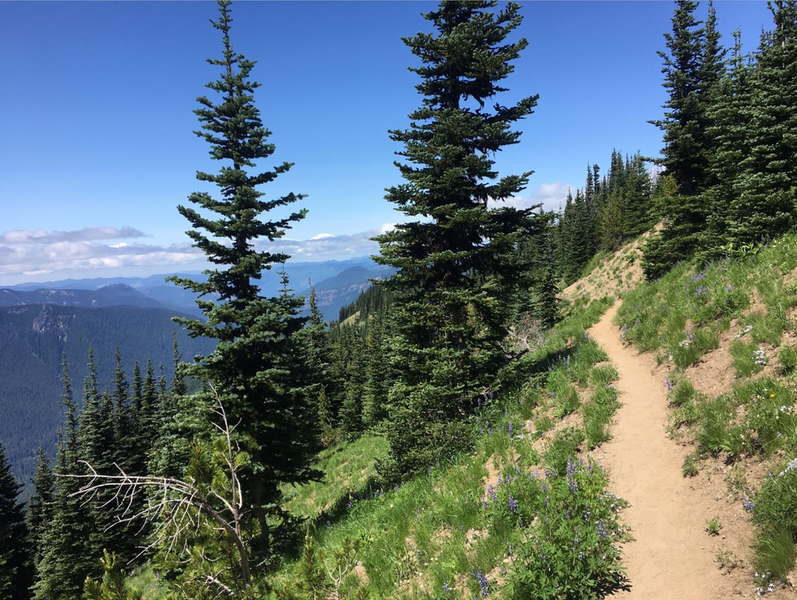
[670, 557]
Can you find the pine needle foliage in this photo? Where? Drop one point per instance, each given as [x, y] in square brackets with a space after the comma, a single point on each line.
[14, 560]
[451, 291]
[254, 363]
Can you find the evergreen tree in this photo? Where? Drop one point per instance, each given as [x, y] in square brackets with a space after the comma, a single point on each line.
[66, 554]
[251, 366]
[39, 510]
[692, 70]
[730, 115]
[15, 574]
[766, 204]
[451, 291]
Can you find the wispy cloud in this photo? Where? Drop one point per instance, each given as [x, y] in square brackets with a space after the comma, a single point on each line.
[552, 196]
[87, 234]
[25, 253]
[326, 246]
[96, 252]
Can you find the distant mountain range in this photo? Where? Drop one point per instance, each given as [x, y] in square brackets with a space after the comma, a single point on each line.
[337, 283]
[40, 321]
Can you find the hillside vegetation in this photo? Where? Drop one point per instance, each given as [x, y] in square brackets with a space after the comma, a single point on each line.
[524, 514]
[725, 333]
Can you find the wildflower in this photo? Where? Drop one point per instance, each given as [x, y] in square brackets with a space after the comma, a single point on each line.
[483, 583]
[748, 504]
[601, 530]
[759, 357]
[509, 428]
[668, 383]
[790, 467]
[512, 504]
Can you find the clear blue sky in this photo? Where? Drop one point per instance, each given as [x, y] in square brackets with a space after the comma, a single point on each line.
[96, 121]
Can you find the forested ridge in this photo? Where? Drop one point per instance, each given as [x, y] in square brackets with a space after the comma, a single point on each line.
[161, 489]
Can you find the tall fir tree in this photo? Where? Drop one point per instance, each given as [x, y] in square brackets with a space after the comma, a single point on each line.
[66, 556]
[730, 116]
[692, 70]
[40, 507]
[15, 574]
[251, 366]
[451, 291]
[766, 204]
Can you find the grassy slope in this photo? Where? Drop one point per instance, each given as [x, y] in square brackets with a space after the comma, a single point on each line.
[520, 517]
[742, 310]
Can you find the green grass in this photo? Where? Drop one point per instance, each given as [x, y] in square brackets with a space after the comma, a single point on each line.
[348, 470]
[473, 524]
[682, 314]
[748, 359]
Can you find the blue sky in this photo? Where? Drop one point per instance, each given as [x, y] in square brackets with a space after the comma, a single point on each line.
[96, 142]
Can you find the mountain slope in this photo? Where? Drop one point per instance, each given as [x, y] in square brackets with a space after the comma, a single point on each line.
[34, 338]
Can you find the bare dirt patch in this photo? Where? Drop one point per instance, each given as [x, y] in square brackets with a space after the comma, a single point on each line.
[614, 276]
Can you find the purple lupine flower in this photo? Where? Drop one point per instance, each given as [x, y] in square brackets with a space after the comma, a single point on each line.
[748, 504]
[509, 428]
[601, 530]
[512, 504]
[483, 583]
[668, 383]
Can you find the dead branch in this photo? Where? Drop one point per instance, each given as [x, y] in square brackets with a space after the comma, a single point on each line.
[175, 507]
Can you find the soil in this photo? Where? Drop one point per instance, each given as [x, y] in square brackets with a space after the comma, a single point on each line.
[672, 555]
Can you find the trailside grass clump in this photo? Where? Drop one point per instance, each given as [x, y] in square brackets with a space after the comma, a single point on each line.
[473, 525]
[682, 314]
[775, 514]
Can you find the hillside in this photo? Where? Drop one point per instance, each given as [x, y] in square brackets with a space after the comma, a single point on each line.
[34, 338]
[703, 365]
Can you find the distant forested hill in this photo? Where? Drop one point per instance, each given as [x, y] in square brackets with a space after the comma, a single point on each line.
[32, 338]
[117, 294]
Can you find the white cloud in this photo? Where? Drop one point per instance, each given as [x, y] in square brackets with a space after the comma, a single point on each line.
[325, 246]
[27, 254]
[87, 234]
[552, 196]
[34, 253]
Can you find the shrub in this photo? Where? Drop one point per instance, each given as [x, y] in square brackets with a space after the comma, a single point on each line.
[747, 358]
[682, 392]
[713, 525]
[689, 468]
[571, 552]
[787, 360]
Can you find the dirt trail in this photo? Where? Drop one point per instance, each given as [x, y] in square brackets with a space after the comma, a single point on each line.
[671, 556]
